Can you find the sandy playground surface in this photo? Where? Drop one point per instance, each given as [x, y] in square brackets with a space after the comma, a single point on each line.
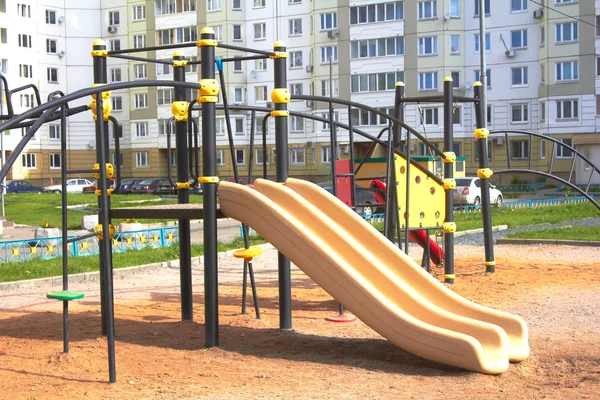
[159, 357]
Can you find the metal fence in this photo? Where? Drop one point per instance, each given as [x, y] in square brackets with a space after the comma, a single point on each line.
[45, 249]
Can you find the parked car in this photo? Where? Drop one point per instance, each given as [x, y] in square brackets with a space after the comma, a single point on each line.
[468, 191]
[147, 186]
[365, 199]
[198, 189]
[94, 186]
[165, 187]
[73, 186]
[20, 186]
[127, 185]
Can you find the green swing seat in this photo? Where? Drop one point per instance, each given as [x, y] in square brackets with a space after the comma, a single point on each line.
[65, 295]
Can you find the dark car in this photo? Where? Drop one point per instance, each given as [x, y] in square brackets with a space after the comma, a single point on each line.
[94, 186]
[365, 199]
[19, 186]
[197, 189]
[147, 186]
[165, 187]
[127, 185]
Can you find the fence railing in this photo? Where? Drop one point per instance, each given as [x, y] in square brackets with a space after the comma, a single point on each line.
[45, 249]
[522, 187]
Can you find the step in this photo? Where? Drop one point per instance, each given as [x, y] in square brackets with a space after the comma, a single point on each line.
[7, 224]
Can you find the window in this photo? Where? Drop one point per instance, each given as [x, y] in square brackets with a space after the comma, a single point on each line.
[25, 40]
[54, 132]
[113, 18]
[27, 100]
[259, 157]
[567, 109]
[455, 75]
[50, 46]
[139, 41]
[518, 5]
[478, 43]
[519, 76]
[519, 39]
[430, 116]
[542, 74]
[3, 65]
[192, 68]
[23, 10]
[295, 59]
[140, 100]
[164, 127]
[457, 116]
[597, 25]
[138, 13]
[455, 8]
[115, 75]
[454, 44]
[236, 5]
[542, 111]
[427, 9]
[140, 129]
[325, 125]
[142, 159]
[486, 7]
[597, 66]
[52, 74]
[240, 156]
[295, 27]
[489, 150]
[184, 34]
[329, 52]
[488, 76]
[296, 89]
[51, 17]
[139, 71]
[597, 104]
[54, 160]
[296, 124]
[565, 1]
[218, 32]
[238, 126]
[260, 65]
[297, 156]
[542, 36]
[115, 44]
[377, 13]
[362, 117]
[260, 94]
[237, 66]
[325, 88]
[428, 81]
[294, 1]
[489, 115]
[220, 126]
[259, 3]
[165, 7]
[328, 21]
[562, 151]
[3, 36]
[519, 149]
[28, 161]
[587, 153]
[25, 71]
[237, 32]
[375, 82]
[567, 71]
[519, 113]
[428, 46]
[383, 47]
[213, 5]
[164, 97]
[566, 32]
[221, 157]
[260, 31]
[542, 149]
[326, 155]
[238, 95]
[117, 103]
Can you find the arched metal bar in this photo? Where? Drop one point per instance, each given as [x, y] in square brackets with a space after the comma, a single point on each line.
[9, 103]
[118, 129]
[58, 93]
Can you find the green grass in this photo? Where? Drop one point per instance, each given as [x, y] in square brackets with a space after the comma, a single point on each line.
[583, 233]
[34, 209]
[16, 271]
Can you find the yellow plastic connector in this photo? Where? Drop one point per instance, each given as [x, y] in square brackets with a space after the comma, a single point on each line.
[208, 87]
[248, 254]
[207, 99]
[399, 83]
[490, 263]
[109, 192]
[183, 185]
[448, 79]
[110, 170]
[279, 43]
[111, 231]
[449, 157]
[449, 184]
[278, 54]
[280, 96]
[206, 43]
[280, 113]
[180, 110]
[481, 133]
[448, 227]
[180, 63]
[449, 276]
[106, 109]
[100, 53]
[208, 179]
[105, 95]
[477, 83]
[484, 173]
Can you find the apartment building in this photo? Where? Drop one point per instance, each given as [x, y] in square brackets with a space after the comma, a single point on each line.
[543, 73]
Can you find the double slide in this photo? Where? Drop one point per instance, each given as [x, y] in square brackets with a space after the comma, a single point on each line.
[382, 286]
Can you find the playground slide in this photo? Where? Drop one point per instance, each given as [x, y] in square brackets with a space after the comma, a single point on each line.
[382, 286]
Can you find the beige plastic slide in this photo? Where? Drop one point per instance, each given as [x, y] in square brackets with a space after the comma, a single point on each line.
[380, 284]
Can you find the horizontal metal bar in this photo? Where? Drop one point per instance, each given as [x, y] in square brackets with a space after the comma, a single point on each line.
[81, 171]
[171, 211]
[244, 58]
[152, 48]
[85, 236]
[245, 49]
[124, 57]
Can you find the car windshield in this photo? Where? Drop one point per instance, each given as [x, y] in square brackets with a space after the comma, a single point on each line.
[146, 182]
[463, 182]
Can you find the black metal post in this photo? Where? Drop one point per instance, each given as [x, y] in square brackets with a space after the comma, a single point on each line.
[208, 96]
[280, 97]
[99, 55]
[484, 173]
[391, 207]
[65, 235]
[448, 227]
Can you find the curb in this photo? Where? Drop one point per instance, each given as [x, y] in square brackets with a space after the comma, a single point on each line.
[480, 230]
[119, 272]
[549, 242]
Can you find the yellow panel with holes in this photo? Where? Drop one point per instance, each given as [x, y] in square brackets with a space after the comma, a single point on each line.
[427, 197]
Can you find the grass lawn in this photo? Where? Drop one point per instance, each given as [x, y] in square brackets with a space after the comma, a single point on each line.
[16, 271]
[582, 233]
[34, 209]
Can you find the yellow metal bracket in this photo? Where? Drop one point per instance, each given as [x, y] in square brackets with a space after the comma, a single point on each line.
[111, 231]
[207, 99]
[280, 96]
[180, 110]
[448, 227]
[106, 109]
[208, 179]
[109, 192]
[481, 133]
[449, 157]
[279, 54]
[206, 43]
[208, 87]
[484, 173]
[182, 185]
[449, 276]
[490, 263]
[105, 95]
[180, 63]
[449, 184]
[110, 170]
[280, 113]
[100, 53]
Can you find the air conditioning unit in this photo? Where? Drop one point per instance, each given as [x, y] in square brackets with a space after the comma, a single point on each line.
[539, 13]
[332, 34]
[112, 29]
[344, 148]
[309, 144]
[509, 53]
[61, 54]
[498, 141]
[310, 103]
[309, 68]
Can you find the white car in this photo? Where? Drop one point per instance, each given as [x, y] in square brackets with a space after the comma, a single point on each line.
[468, 191]
[73, 186]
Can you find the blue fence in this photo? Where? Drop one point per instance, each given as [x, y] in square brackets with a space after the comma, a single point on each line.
[522, 187]
[45, 249]
[593, 188]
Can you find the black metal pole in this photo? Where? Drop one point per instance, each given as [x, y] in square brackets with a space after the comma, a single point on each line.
[180, 113]
[484, 173]
[281, 97]
[99, 55]
[208, 96]
[391, 208]
[448, 227]
[65, 235]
